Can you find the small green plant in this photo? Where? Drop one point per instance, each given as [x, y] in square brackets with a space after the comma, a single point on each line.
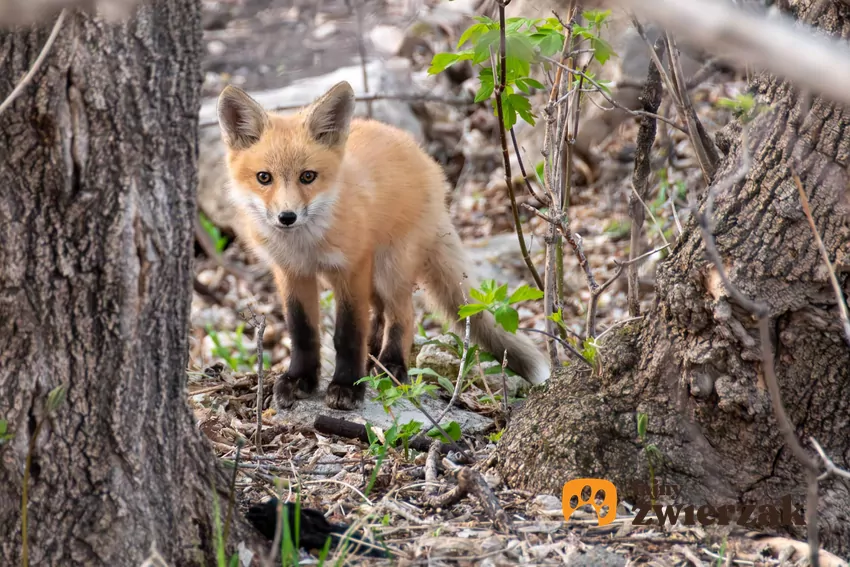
[496, 435]
[743, 106]
[390, 393]
[219, 241]
[495, 299]
[653, 454]
[218, 534]
[237, 356]
[55, 398]
[5, 434]
[527, 42]
[721, 554]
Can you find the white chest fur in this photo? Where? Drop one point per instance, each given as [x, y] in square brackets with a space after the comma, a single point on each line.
[302, 255]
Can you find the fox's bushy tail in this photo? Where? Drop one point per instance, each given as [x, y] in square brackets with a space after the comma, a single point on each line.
[447, 283]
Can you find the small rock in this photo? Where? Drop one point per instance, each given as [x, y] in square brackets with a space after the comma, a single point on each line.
[516, 385]
[216, 47]
[548, 504]
[438, 358]
[325, 30]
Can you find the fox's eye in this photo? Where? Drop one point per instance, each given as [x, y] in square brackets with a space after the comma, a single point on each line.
[264, 177]
[308, 177]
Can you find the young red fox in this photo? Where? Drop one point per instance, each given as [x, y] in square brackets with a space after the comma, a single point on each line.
[357, 202]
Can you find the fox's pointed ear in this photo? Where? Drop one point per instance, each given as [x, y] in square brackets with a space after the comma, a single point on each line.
[329, 118]
[241, 118]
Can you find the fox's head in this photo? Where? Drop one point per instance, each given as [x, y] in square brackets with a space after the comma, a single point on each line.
[284, 169]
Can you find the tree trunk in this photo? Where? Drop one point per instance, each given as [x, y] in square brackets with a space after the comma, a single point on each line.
[693, 364]
[97, 195]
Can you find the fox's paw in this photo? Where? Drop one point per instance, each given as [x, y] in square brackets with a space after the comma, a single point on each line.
[343, 397]
[288, 388]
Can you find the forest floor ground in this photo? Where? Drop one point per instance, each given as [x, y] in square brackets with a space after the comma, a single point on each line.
[266, 44]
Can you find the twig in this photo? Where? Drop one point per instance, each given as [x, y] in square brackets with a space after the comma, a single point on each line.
[606, 96]
[540, 199]
[562, 342]
[431, 468]
[831, 469]
[590, 325]
[25, 80]
[497, 92]
[651, 98]
[703, 145]
[616, 324]
[574, 243]
[470, 481]
[460, 370]
[842, 305]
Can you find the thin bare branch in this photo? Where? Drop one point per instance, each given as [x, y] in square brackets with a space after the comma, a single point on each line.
[651, 98]
[459, 381]
[606, 96]
[836, 287]
[777, 44]
[503, 139]
[25, 80]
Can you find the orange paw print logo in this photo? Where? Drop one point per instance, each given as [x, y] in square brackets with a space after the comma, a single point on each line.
[595, 486]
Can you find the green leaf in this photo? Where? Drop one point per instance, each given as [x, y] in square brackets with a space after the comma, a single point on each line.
[446, 384]
[471, 309]
[452, 429]
[642, 422]
[485, 92]
[522, 106]
[494, 437]
[410, 428]
[508, 112]
[596, 17]
[488, 40]
[472, 34]
[501, 293]
[519, 47]
[480, 295]
[55, 398]
[602, 50]
[548, 43]
[534, 83]
[485, 20]
[508, 318]
[525, 293]
[423, 371]
[442, 61]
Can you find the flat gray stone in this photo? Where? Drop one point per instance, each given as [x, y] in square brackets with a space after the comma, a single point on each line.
[304, 412]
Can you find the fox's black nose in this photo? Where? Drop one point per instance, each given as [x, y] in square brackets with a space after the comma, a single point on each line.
[286, 218]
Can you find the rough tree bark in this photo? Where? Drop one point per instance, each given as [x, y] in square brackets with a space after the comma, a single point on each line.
[693, 365]
[97, 195]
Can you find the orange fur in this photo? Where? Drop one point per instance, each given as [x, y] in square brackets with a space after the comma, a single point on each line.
[373, 222]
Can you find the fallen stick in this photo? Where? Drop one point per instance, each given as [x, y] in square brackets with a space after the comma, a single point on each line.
[352, 430]
[470, 481]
